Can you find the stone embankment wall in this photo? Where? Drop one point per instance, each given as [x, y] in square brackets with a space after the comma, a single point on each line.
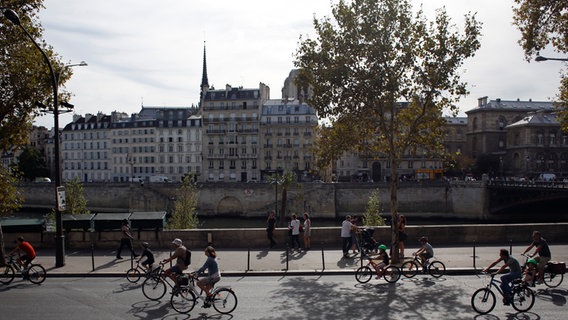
[324, 200]
[440, 235]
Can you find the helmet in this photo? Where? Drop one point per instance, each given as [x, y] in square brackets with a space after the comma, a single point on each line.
[424, 238]
[145, 244]
[382, 246]
[531, 260]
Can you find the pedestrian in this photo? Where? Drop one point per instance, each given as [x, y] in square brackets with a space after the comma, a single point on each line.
[148, 263]
[295, 235]
[271, 225]
[346, 229]
[543, 252]
[506, 279]
[355, 233]
[125, 240]
[401, 235]
[307, 231]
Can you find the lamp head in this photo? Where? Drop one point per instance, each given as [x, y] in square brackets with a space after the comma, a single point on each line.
[540, 58]
[12, 16]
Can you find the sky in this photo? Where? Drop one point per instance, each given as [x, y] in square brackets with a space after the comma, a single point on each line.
[150, 53]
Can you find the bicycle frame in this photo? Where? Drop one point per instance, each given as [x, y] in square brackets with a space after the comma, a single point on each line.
[495, 283]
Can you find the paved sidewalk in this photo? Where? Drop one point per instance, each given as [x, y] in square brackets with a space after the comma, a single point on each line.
[102, 263]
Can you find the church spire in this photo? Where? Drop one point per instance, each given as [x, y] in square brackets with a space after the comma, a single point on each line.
[204, 81]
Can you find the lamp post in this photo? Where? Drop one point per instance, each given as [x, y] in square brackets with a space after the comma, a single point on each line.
[59, 241]
[541, 58]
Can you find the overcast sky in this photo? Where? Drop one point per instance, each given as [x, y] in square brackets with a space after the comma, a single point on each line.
[150, 52]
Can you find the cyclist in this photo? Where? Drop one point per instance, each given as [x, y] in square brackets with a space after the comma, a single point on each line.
[383, 260]
[214, 274]
[543, 252]
[506, 279]
[179, 255]
[27, 249]
[425, 252]
[149, 256]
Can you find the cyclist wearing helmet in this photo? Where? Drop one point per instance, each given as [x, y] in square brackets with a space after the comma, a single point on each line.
[149, 256]
[425, 252]
[530, 272]
[383, 259]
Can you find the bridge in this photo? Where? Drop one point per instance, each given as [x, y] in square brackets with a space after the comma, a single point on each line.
[527, 197]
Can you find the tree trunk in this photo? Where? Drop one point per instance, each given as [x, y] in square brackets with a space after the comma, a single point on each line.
[2, 252]
[283, 206]
[394, 211]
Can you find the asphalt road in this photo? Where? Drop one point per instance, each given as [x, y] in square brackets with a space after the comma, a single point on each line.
[287, 297]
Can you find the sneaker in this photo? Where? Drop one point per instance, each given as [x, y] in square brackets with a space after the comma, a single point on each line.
[539, 281]
[206, 305]
[119, 257]
[175, 290]
[506, 302]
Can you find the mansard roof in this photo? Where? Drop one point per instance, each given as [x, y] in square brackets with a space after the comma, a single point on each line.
[510, 105]
[230, 93]
[539, 118]
[286, 107]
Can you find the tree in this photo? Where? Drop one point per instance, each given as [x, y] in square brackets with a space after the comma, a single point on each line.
[75, 202]
[382, 75]
[11, 199]
[544, 23]
[372, 216]
[32, 164]
[285, 181]
[24, 75]
[184, 215]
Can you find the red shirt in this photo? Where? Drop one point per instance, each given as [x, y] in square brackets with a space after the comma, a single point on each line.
[27, 248]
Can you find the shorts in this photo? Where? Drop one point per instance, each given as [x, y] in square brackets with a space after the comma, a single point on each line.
[426, 255]
[148, 262]
[542, 261]
[26, 259]
[176, 269]
[402, 236]
[210, 280]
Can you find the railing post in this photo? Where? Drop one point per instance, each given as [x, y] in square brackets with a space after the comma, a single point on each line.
[474, 256]
[510, 247]
[322, 260]
[287, 256]
[248, 259]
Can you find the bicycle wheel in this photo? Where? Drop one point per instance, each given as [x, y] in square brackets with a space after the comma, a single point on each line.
[363, 274]
[523, 299]
[133, 275]
[154, 288]
[409, 269]
[391, 274]
[483, 301]
[552, 280]
[437, 269]
[224, 300]
[36, 273]
[183, 301]
[7, 274]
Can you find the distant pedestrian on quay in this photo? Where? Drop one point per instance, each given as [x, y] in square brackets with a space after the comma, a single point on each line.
[346, 228]
[295, 229]
[354, 232]
[307, 231]
[125, 240]
[401, 235]
[271, 225]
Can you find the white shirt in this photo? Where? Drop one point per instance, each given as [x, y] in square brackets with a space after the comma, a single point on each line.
[346, 229]
[295, 224]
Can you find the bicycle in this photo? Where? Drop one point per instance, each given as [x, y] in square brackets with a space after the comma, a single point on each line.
[390, 273]
[134, 274]
[223, 299]
[435, 268]
[483, 300]
[35, 273]
[551, 279]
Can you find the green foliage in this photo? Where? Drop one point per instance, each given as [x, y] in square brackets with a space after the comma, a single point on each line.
[11, 197]
[373, 216]
[184, 215]
[544, 24]
[32, 164]
[383, 76]
[75, 202]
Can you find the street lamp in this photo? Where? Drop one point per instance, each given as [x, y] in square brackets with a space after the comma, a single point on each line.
[541, 58]
[59, 243]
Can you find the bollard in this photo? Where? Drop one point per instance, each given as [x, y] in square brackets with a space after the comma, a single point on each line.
[93, 256]
[248, 260]
[322, 260]
[511, 247]
[474, 267]
[287, 256]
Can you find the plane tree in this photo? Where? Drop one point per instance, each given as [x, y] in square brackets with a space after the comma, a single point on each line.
[382, 75]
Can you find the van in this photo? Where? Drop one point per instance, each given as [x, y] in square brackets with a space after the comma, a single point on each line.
[42, 179]
[547, 177]
[159, 179]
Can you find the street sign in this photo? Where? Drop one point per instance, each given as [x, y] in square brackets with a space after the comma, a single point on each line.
[61, 198]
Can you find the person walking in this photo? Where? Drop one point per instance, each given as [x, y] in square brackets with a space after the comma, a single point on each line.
[271, 225]
[125, 240]
[346, 228]
[401, 235]
[307, 231]
[295, 228]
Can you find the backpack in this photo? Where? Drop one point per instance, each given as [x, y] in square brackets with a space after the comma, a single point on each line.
[187, 258]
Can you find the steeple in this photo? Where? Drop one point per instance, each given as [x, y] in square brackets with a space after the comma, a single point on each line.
[204, 81]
